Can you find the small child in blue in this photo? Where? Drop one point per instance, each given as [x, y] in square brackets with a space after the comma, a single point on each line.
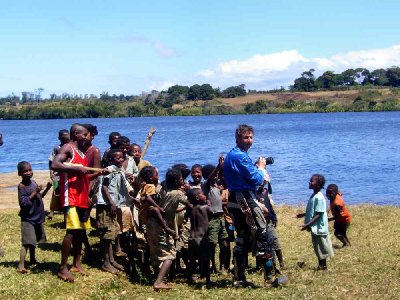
[316, 221]
[31, 214]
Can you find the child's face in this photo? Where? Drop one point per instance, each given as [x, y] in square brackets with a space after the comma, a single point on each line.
[118, 159]
[196, 175]
[26, 172]
[154, 178]
[136, 152]
[64, 138]
[124, 148]
[113, 141]
[330, 194]
[313, 184]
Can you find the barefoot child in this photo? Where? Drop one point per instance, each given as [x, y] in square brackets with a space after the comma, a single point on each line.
[341, 215]
[106, 213]
[199, 246]
[148, 177]
[31, 213]
[161, 244]
[316, 221]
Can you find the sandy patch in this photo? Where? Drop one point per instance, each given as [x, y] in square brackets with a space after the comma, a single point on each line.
[8, 189]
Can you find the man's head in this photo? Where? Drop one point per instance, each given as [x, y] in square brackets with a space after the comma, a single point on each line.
[79, 135]
[244, 136]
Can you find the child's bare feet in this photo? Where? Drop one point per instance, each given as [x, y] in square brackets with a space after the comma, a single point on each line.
[22, 270]
[120, 253]
[65, 275]
[161, 286]
[109, 268]
[117, 266]
[79, 269]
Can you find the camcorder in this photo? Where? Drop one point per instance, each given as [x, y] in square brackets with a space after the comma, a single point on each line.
[269, 160]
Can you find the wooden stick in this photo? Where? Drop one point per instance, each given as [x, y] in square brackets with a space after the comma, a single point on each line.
[147, 142]
[87, 168]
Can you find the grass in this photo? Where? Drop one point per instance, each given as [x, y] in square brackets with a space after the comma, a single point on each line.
[370, 269]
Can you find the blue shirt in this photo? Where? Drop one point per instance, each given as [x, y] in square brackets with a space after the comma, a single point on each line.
[240, 173]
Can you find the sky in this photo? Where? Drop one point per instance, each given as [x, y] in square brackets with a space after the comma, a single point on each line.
[129, 47]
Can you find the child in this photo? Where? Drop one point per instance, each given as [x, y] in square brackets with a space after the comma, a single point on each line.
[316, 221]
[148, 206]
[31, 213]
[196, 174]
[199, 246]
[264, 198]
[161, 244]
[112, 192]
[216, 230]
[340, 214]
[112, 140]
[55, 203]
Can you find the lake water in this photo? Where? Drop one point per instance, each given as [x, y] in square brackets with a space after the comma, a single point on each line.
[358, 151]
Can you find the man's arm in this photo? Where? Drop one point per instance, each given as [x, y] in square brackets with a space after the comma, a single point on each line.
[251, 174]
[64, 155]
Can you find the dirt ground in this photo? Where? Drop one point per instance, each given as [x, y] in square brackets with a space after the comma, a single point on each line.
[8, 189]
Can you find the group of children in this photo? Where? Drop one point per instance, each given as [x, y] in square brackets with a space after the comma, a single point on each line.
[167, 223]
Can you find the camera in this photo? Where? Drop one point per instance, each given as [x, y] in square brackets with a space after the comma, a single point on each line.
[269, 160]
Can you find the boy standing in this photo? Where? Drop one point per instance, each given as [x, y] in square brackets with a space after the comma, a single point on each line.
[31, 214]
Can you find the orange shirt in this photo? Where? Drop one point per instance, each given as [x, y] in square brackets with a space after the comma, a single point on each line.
[339, 210]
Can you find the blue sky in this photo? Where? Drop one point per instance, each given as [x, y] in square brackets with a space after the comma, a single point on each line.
[133, 46]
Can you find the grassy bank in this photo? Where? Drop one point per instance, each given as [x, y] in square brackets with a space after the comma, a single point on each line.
[357, 99]
[370, 269]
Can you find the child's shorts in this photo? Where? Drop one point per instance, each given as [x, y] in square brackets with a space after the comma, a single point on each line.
[274, 237]
[216, 229]
[32, 234]
[340, 228]
[107, 226]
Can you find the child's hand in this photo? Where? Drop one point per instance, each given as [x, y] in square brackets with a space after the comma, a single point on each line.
[303, 227]
[49, 185]
[113, 210]
[39, 187]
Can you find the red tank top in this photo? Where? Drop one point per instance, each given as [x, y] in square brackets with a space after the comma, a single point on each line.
[74, 187]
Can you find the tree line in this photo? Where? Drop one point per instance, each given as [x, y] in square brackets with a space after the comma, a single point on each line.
[308, 82]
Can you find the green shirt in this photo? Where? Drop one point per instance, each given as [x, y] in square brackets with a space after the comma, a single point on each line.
[317, 203]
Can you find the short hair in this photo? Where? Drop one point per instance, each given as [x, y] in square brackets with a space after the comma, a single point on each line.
[207, 171]
[147, 173]
[196, 166]
[333, 188]
[21, 165]
[113, 135]
[123, 140]
[242, 128]
[135, 145]
[74, 127]
[193, 195]
[111, 154]
[91, 128]
[173, 179]
[184, 169]
[62, 132]
[320, 180]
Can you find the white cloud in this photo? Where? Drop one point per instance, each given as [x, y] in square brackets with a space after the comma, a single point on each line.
[272, 70]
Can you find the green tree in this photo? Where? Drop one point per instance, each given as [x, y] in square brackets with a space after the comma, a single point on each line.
[306, 82]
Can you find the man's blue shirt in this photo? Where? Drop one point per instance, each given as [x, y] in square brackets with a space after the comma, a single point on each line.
[240, 173]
